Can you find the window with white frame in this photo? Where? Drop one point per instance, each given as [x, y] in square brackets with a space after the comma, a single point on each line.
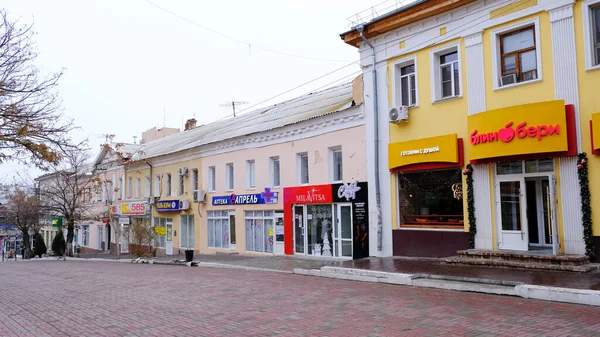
[229, 176]
[405, 82]
[218, 229]
[138, 188]
[274, 172]
[335, 164]
[302, 159]
[259, 224]
[591, 33]
[130, 187]
[446, 76]
[187, 231]
[194, 179]
[110, 195]
[181, 184]
[160, 228]
[516, 54]
[86, 236]
[211, 179]
[147, 187]
[121, 188]
[168, 184]
[157, 186]
[251, 174]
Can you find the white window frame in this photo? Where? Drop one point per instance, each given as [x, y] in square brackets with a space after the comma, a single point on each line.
[181, 230]
[212, 174]
[130, 187]
[169, 185]
[85, 235]
[194, 181]
[160, 240]
[147, 187]
[121, 188]
[588, 36]
[496, 61]
[250, 243]
[229, 177]
[396, 83]
[331, 156]
[299, 157]
[138, 188]
[157, 185]
[181, 184]
[272, 161]
[251, 174]
[436, 76]
[216, 214]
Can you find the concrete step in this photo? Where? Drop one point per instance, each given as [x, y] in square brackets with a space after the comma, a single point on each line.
[584, 268]
[524, 257]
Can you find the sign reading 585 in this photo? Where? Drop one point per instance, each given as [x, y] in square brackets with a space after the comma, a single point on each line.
[133, 208]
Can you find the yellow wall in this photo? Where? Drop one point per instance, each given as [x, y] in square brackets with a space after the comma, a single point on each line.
[429, 119]
[526, 93]
[589, 82]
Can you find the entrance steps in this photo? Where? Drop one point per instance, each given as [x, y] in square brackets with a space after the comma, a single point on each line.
[524, 260]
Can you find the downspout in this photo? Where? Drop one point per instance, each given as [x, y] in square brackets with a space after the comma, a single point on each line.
[360, 29]
[151, 194]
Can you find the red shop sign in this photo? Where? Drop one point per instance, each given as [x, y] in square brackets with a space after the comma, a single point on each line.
[317, 194]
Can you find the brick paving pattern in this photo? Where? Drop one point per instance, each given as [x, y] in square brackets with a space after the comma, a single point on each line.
[78, 298]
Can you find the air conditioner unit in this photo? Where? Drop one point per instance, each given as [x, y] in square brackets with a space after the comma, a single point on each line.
[184, 205]
[399, 114]
[183, 171]
[199, 196]
[508, 79]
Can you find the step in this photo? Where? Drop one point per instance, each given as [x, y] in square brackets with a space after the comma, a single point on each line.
[524, 257]
[519, 264]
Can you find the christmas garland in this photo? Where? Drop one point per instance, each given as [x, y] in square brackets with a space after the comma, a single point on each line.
[470, 206]
[586, 209]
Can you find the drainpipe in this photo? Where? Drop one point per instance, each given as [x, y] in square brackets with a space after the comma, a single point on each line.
[360, 29]
[151, 195]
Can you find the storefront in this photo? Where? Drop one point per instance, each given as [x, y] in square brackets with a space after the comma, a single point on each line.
[429, 203]
[128, 213]
[263, 219]
[521, 147]
[327, 220]
[166, 210]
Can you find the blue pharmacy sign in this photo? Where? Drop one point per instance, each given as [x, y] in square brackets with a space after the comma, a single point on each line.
[266, 197]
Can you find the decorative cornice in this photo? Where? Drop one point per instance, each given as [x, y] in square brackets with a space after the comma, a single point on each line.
[473, 39]
[562, 12]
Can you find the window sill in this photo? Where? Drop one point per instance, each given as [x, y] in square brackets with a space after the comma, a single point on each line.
[496, 88]
[251, 189]
[443, 100]
[337, 181]
[278, 186]
[229, 190]
[592, 68]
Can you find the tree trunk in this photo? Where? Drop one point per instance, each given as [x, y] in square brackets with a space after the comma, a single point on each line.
[117, 231]
[26, 245]
[70, 235]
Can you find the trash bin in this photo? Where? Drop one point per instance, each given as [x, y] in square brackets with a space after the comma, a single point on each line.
[189, 255]
[78, 250]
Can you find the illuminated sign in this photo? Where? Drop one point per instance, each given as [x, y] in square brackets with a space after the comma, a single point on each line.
[266, 197]
[442, 149]
[133, 208]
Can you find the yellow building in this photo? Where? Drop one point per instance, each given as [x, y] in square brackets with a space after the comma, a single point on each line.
[490, 100]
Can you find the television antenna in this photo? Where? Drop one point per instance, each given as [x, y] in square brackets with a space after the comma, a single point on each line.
[232, 104]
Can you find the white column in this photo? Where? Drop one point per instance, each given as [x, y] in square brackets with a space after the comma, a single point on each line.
[566, 87]
[481, 175]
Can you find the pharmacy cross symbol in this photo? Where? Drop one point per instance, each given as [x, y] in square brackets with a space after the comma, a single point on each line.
[268, 195]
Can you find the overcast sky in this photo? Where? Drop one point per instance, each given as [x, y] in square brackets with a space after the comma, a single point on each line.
[126, 62]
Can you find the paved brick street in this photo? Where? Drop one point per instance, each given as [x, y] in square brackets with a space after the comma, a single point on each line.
[76, 298]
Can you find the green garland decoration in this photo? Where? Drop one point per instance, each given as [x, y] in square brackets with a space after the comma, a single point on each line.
[586, 209]
[470, 206]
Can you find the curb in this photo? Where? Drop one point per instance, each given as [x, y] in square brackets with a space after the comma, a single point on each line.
[484, 286]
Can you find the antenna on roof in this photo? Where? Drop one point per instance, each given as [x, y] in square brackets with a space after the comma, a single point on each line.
[232, 104]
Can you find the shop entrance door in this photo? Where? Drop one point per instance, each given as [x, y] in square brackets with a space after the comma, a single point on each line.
[512, 213]
[124, 239]
[541, 212]
[343, 230]
[299, 230]
[279, 246]
[169, 238]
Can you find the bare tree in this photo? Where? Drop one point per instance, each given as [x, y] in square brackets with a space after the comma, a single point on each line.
[32, 126]
[67, 190]
[142, 238]
[24, 211]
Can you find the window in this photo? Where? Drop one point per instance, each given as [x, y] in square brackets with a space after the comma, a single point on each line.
[187, 231]
[129, 187]
[110, 192]
[527, 166]
[446, 73]
[275, 175]
[211, 179]
[121, 188]
[229, 176]
[591, 33]
[251, 174]
[218, 229]
[194, 179]
[85, 238]
[181, 184]
[518, 56]
[405, 83]
[259, 231]
[335, 164]
[303, 168]
[138, 188]
[160, 228]
[157, 186]
[431, 199]
[147, 187]
[168, 184]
